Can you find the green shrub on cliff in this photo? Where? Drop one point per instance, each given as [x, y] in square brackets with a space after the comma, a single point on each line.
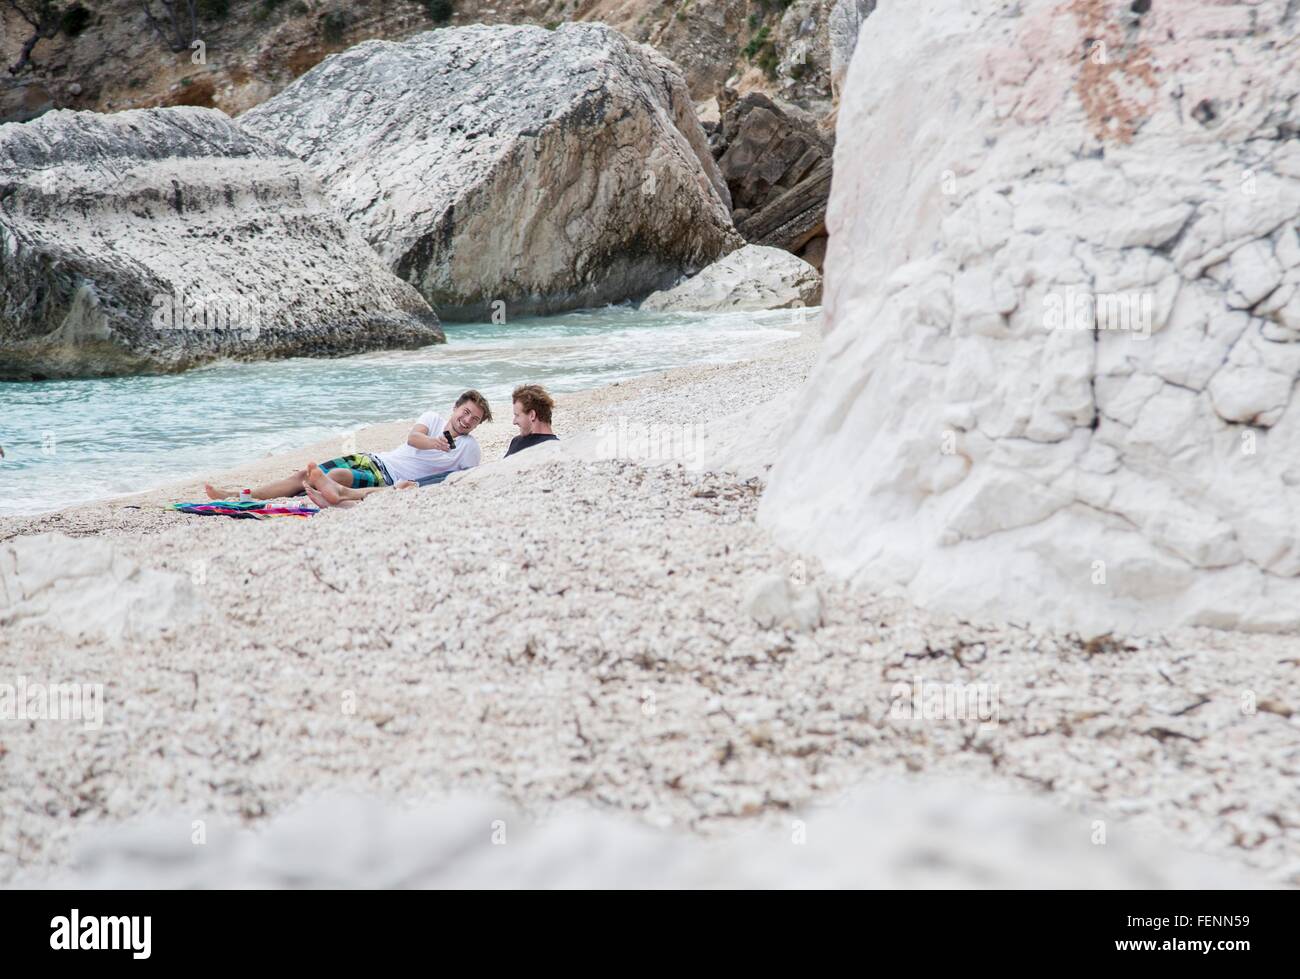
[439, 11]
[333, 26]
[74, 21]
[757, 42]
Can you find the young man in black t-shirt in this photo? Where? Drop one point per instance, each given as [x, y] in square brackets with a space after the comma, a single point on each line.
[533, 417]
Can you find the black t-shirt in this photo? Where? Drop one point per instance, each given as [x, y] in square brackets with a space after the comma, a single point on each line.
[521, 442]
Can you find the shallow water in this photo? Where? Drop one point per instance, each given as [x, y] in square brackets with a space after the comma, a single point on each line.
[71, 441]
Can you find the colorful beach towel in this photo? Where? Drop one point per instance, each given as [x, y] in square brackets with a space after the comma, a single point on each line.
[255, 510]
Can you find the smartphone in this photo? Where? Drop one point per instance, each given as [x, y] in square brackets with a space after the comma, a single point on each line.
[451, 442]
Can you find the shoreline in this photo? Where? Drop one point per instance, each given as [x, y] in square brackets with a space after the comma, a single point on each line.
[494, 437]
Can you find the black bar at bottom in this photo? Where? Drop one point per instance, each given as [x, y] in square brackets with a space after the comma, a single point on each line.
[339, 928]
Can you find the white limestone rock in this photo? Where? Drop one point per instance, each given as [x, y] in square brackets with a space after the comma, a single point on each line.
[752, 277]
[1058, 377]
[160, 239]
[774, 601]
[843, 26]
[546, 170]
[901, 833]
[84, 587]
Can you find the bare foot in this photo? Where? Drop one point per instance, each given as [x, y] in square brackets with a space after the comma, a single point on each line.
[324, 486]
[218, 494]
[315, 496]
[405, 484]
[321, 500]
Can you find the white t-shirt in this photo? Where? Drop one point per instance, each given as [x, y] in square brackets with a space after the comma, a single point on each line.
[408, 462]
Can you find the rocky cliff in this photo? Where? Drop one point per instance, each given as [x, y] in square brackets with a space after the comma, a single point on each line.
[1063, 326]
[542, 170]
[158, 239]
[106, 55]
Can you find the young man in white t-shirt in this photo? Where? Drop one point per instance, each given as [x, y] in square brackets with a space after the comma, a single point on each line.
[435, 445]
[532, 414]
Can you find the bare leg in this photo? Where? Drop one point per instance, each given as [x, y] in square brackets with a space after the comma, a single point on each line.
[289, 486]
[324, 486]
[333, 489]
[361, 494]
[322, 501]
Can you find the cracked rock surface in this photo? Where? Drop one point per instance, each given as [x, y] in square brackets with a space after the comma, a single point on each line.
[160, 239]
[1062, 328]
[548, 170]
[844, 23]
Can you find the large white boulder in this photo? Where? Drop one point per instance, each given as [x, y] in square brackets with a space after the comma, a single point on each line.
[1062, 317]
[160, 239]
[545, 170]
[753, 277]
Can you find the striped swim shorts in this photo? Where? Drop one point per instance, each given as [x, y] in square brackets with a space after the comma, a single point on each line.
[366, 469]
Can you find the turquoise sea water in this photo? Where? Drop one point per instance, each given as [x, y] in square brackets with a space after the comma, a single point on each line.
[71, 441]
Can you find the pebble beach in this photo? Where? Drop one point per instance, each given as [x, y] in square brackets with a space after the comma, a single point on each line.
[581, 634]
